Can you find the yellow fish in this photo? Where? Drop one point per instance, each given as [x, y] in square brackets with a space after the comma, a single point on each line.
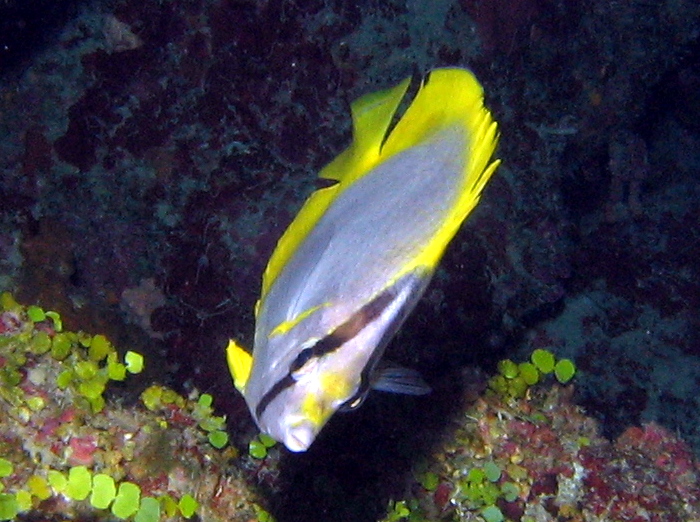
[360, 253]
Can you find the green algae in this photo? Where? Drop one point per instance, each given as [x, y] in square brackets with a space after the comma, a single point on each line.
[79, 483]
[127, 500]
[188, 505]
[104, 491]
[564, 370]
[149, 510]
[543, 360]
[9, 509]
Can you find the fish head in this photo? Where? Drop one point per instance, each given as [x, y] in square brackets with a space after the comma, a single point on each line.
[296, 409]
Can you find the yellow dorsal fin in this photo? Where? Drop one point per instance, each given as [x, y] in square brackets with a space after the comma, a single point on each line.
[371, 116]
[449, 98]
[239, 364]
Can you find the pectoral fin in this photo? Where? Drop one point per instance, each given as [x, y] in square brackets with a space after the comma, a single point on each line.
[397, 379]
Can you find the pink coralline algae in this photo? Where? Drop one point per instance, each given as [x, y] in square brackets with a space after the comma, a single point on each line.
[551, 465]
[648, 474]
[81, 450]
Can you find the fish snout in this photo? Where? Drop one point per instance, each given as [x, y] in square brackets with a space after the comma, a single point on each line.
[299, 438]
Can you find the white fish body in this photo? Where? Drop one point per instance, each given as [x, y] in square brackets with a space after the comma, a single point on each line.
[360, 253]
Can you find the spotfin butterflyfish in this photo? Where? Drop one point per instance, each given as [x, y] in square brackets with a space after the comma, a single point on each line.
[360, 253]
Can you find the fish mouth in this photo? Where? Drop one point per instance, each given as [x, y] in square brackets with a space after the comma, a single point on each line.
[298, 438]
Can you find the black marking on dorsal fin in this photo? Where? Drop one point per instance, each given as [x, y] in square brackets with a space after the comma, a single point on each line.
[417, 81]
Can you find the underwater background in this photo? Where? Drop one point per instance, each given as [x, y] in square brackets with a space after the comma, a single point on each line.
[152, 153]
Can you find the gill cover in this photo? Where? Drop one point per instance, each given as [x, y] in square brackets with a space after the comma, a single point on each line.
[359, 254]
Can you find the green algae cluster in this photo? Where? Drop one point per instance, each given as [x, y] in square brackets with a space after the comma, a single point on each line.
[123, 499]
[514, 379]
[475, 481]
[88, 362]
[158, 398]
[55, 381]
[482, 488]
[259, 446]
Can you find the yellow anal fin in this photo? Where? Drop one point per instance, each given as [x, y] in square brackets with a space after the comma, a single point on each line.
[239, 364]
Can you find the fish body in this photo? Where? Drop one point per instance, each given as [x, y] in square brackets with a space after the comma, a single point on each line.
[360, 253]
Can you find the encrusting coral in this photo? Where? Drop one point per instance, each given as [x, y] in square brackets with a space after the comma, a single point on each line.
[67, 450]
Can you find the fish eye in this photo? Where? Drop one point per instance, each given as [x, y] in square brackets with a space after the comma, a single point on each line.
[304, 356]
[356, 401]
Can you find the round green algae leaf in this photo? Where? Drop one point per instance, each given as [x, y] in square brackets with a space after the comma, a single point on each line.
[498, 384]
[79, 483]
[476, 475]
[492, 471]
[85, 339]
[61, 346]
[263, 516]
[36, 404]
[149, 511]
[103, 491]
[92, 389]
[212, 423]
[517, 387]
[266, 440]
[134, 362]
[7, 302]
[41, 343]
[151, 397]
[543, 360]
[169, 506]
[116, 371]
[8, 506]
[36, 314]
[170, 396]
[24, 500]
[205, 400]
[257, 449]
[10, 376]
[429, 481]
[188, 505]
[64, 378]
[490, 493]
[564, 370]
[529, 373]
[510, 491]
[56, 318]
[99, 348]
[39, 487]
[471, 492]
[97, 404]
[126, 503]
[85, 370]
[57, 481]
[508, 368]
[6, 468]
[492, 514]
[218, 438]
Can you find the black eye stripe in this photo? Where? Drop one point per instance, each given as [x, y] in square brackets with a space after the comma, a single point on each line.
[331, 342]
[304, 356]
[273, 392]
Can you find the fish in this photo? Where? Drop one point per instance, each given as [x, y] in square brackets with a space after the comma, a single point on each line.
[360, 253]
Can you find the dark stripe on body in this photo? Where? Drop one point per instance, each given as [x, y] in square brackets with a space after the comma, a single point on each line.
[331, 342]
